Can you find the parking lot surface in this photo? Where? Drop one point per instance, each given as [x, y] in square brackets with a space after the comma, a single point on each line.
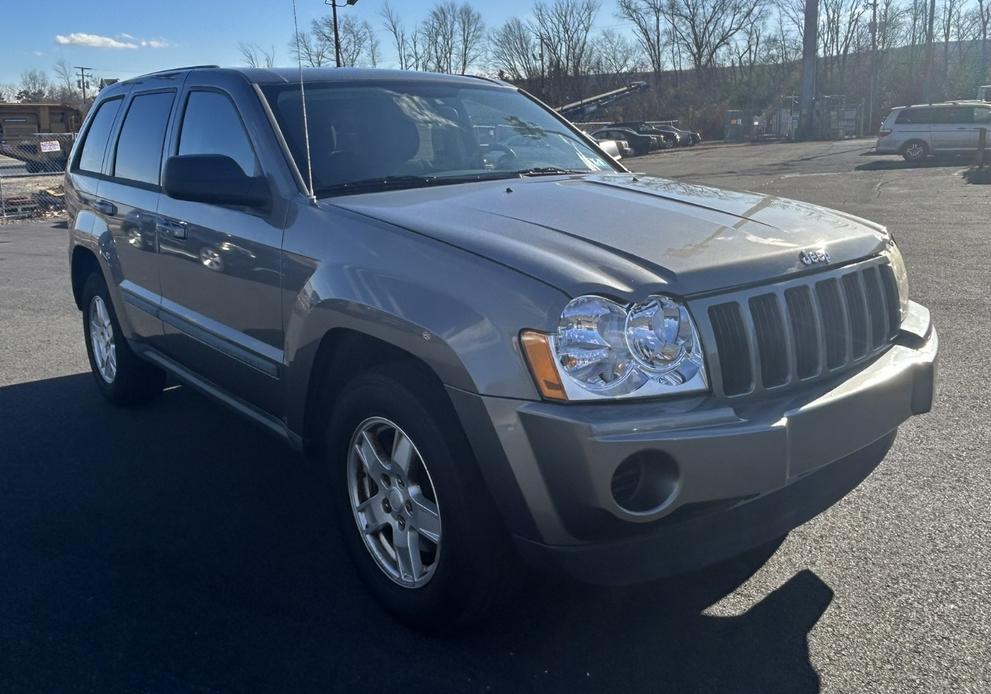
[177, 548]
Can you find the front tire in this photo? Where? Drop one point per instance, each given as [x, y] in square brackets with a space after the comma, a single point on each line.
[121, 376]
[411, 506]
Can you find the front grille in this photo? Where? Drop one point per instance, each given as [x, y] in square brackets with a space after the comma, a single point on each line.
[774, 336]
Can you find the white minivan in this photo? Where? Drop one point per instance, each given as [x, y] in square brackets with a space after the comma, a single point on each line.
[915, 132]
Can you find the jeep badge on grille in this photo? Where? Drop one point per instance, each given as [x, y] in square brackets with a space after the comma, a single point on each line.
[814, 256]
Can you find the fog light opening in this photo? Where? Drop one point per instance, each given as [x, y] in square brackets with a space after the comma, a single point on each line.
[645, 481]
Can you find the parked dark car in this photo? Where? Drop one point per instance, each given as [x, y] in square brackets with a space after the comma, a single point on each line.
[640, 143]
[495, 355]
[678, 136]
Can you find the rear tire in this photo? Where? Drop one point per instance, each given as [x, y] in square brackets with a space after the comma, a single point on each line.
[463, 570]
[122, 377]
[915, 151]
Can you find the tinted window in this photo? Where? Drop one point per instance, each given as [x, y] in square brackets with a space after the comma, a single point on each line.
[212, 126]
[953, 115]
[139, 147]
[95, 144]
[982, 115]
[914, 116]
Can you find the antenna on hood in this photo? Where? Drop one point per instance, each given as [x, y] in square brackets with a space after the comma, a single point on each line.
[302, 97]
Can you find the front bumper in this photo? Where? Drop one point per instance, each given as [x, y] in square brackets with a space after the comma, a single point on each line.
[738, 475]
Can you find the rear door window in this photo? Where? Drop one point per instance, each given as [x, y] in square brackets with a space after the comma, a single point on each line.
[953, 114]
[211, 125]
[96, 137]
[982, 115]
[142, 137]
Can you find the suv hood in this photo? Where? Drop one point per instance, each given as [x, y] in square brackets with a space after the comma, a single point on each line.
[625, 235]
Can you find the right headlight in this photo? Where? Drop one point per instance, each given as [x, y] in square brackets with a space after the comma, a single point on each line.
[603, 349]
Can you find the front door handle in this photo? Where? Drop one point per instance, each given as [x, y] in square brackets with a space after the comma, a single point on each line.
[105, 207]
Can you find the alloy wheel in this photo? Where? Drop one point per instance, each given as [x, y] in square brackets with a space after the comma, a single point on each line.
[915, 151]
[101, 338]
[394, 502]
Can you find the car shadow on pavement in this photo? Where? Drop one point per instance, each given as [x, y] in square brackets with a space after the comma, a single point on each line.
[978, 176]
[900, 164]
[178, 548]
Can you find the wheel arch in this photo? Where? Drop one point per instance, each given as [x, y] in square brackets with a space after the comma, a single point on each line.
[342, 353]
[82, 264]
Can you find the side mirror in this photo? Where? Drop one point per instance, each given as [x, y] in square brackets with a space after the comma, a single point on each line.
[214, 179]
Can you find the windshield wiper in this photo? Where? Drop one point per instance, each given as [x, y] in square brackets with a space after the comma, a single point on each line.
[548, 171]
[377, 183]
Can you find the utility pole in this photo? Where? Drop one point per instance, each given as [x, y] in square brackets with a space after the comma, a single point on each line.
[337, 36]
[930, 50]
[872, 97]
[83, 82]
[810, 42]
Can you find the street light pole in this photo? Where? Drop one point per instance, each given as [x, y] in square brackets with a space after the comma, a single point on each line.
[337, 36]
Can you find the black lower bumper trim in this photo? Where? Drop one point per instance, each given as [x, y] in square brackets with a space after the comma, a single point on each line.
[701, 541]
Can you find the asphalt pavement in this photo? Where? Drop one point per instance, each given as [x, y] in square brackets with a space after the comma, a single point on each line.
[177, 548]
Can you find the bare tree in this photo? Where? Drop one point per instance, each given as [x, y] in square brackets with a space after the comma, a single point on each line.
[310, 50]
[649, 19]
[618, 55]
[983, 17]
[8, 92]
[373, 50]
[358, 43]
[254, 55]
[34, 86]
[564, 27]
[471, 37]
[440, 37]
[839, 25]
[515, 51]
[748, 47]
[65, 74]
[705, 27]
[401, 40]
[357, 40]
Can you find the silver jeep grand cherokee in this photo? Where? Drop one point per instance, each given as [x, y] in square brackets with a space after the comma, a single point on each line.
[499, 343]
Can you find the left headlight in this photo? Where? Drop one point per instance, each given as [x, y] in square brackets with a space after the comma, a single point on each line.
[901, 275]
[603, 349]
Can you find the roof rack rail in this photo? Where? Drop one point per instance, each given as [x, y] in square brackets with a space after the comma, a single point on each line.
[185, 67]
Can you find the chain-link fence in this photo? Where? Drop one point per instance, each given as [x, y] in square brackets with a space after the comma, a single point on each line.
[31, 171]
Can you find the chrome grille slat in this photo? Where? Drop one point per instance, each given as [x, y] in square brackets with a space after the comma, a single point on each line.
[804, 330]
[833, 322]
[848, 333]
[769, 328]
[772, 337]
[727, 324]
[877, 314]
[854, 291]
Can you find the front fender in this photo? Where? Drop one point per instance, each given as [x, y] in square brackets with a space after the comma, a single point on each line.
[457, 312]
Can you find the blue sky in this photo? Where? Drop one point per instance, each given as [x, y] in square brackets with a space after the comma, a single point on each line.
[124, 38]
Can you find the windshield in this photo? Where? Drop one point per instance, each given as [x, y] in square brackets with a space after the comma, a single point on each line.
[406, 134]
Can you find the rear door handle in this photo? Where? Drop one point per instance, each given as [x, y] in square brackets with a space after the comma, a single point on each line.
[105, 207]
